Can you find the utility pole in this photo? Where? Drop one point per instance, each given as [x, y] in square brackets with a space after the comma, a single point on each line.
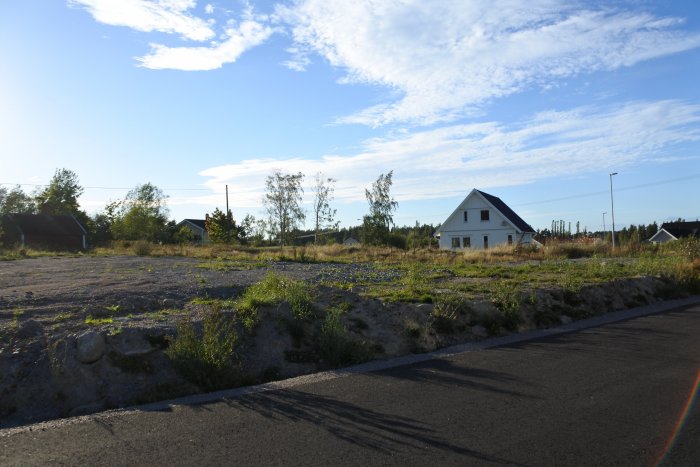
[604, 223]
[612, 209]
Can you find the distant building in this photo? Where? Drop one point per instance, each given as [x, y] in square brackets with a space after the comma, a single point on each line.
[482, 221]
[198, 229]
[44, 231]
[350, 241]
[670, 231]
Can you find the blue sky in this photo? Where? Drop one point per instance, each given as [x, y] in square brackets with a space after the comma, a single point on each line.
[535, 102]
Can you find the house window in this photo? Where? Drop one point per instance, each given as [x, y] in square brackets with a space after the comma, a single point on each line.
[465, 216]
[486, 242]
[484, 214]
[510, 239]
[466, 242]
[455, 242]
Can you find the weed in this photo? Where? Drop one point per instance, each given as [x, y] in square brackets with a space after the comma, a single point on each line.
[207, 361]
[112, 308]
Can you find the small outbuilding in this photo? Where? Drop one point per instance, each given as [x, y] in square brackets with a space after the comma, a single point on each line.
[483, 221]
[44, 231]
[198, 229]
[670, 231]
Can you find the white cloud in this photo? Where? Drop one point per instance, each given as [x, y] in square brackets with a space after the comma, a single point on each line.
[168, 16]
[444, 58]
[247, 35]
[209, 8]
[451, 160]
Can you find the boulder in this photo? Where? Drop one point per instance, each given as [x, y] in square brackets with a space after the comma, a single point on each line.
[91, 346]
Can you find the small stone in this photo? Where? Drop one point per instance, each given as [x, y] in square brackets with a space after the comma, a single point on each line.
[30, 328]
[479, 331]
[565, 319]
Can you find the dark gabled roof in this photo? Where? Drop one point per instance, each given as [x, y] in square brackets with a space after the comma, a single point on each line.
[198, 222]
[515, 219]
[682, 229]
[45, 224]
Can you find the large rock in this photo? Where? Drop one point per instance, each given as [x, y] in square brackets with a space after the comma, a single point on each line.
[131, 343]
[91, 346]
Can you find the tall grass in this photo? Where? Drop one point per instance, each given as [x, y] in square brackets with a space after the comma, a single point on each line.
[206, 359]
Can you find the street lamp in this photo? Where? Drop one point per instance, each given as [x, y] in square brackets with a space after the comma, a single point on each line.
[612, 209]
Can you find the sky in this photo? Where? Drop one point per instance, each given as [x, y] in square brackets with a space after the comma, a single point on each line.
[535, 102]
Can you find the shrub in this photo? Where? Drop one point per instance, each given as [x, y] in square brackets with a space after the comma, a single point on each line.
[206, 360]
[142, 248]
[446, 312]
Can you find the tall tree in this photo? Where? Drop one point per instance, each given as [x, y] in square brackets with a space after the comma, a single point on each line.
[283, 203]
[376, 225]
[61, 195]
[143, 215]
[323, 195]
[16, 201]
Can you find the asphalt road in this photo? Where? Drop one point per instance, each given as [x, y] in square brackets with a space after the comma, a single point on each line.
[611, 395]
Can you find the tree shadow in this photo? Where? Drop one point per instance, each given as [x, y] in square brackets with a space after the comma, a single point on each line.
[355, 424]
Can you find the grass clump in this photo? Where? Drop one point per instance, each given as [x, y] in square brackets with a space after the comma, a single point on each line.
[206, 360]
[335, 346]
[273, 290]
[96, 321]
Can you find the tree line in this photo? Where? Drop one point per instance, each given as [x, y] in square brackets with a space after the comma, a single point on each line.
[143, 214]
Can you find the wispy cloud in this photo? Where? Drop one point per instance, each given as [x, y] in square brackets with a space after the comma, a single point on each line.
[247, 35]
[451, 160]
[168, 16]
[443, 59]
[176, 17]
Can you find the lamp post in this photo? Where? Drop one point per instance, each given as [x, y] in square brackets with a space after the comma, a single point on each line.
[612, 209]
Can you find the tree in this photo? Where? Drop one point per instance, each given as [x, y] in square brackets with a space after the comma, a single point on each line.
[221, 227]
[142, 215]
[323, 195]
[376, 226]
[283, 203]
[61, 195]
[16, 201]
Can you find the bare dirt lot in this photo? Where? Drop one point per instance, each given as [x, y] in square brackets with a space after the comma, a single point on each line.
[83, 334]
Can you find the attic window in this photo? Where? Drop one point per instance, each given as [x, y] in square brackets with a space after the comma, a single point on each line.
[465, 216]
[484, 214]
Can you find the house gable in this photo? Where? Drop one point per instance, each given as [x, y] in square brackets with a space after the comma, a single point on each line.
[483, 220]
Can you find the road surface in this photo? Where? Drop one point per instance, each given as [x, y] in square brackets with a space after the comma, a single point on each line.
[610, 395]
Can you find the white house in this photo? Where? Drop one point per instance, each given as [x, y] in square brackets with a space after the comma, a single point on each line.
[483, 221]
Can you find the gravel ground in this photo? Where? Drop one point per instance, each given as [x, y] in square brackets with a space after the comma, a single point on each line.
[64, 290]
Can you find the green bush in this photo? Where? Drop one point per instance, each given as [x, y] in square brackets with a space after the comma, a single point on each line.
[206, 360]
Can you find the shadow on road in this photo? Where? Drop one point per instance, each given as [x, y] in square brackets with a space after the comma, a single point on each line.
[444, 372]
[366, 428]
